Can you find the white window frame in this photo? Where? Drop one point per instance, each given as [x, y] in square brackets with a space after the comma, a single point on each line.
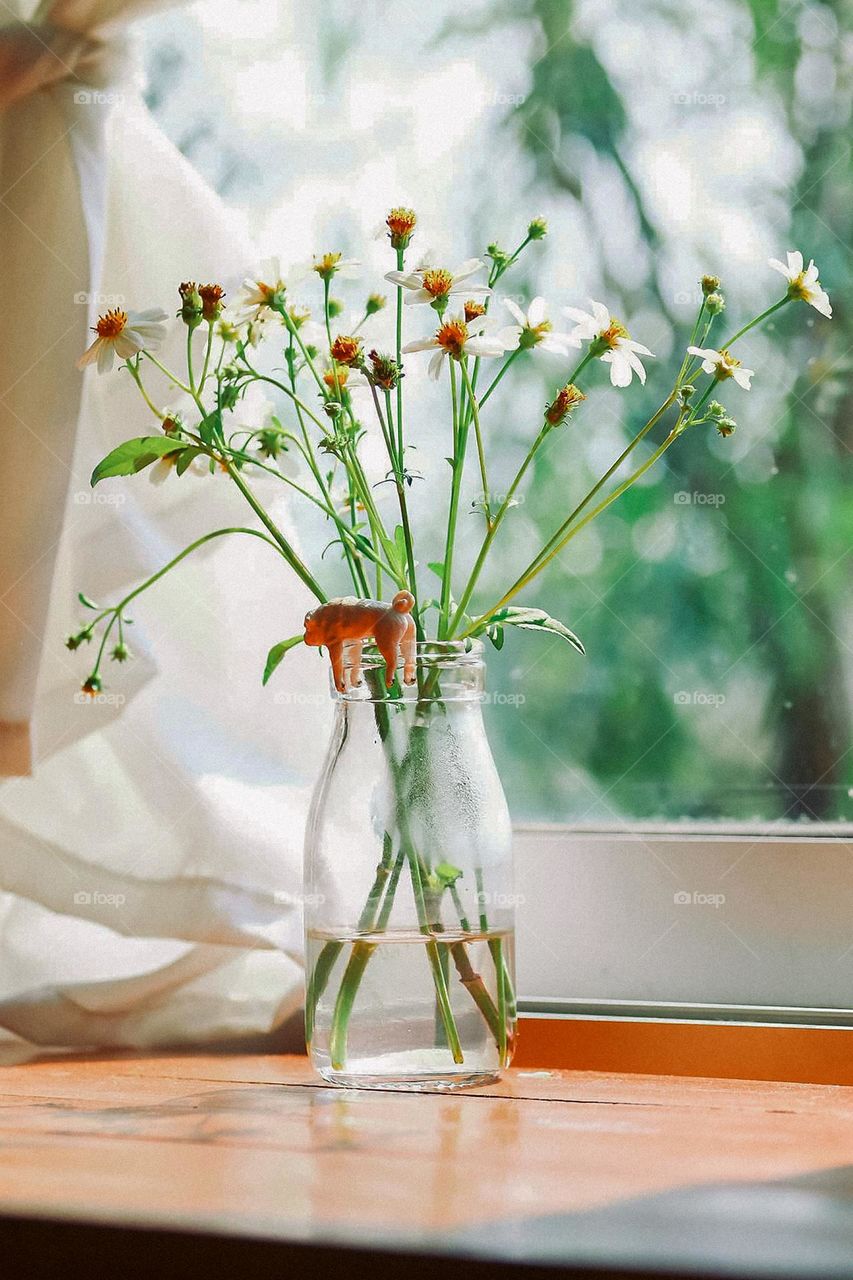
[602, 932]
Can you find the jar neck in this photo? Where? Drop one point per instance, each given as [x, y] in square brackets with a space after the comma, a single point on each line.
[443, 671]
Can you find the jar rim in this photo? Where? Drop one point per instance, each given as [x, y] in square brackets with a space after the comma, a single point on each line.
[430, 655]
[468, 650]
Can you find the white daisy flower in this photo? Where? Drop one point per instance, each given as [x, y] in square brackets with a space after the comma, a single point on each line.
[534, 330]
[257, 292]
[124, 333]
[455, 338]
[803, 284]
[436, 284]
[723, 366]
[610, 341]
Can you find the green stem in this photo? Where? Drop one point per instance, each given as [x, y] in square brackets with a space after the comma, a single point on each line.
[763, 316]
[460, 435]
[490, 535]
[287, 551]
[173, 377]
[207, 350]
[513, 355]
[536, 567]
[133, 370]
[119, 609]
[308, 454]
[401, 253]
[434, 957]
[190, 378]
[350, 982]
[599, 484]
[475, 413]
[326, 286]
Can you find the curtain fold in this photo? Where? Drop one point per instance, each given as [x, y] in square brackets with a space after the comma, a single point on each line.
[182, 796]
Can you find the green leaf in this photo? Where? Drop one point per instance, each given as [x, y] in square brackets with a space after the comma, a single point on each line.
[437, 567]
[400, 543]
[132, 456]
[277, 652]
[84, 600]
[532, 620]
[496, 635]
[186, 458]
[210, 426]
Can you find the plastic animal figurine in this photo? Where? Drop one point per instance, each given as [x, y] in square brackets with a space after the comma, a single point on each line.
[351, 620]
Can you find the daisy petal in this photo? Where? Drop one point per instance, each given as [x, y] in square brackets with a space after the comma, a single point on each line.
[509, 336]
[516, 312]
[620, 369]
[420, 344]
[484, 347]
[467, 268]
[574, 313]
[90, 354]
[106, 355]
[435, 365]
[536, 312]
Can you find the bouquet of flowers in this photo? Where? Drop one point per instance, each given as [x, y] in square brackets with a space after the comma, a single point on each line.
[321, 427]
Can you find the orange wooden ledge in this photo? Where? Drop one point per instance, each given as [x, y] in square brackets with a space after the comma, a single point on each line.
[803, 1055]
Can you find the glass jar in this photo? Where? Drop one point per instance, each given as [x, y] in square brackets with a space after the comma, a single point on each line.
[409, 906]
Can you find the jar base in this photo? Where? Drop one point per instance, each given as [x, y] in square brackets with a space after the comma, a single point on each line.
[426, 1083]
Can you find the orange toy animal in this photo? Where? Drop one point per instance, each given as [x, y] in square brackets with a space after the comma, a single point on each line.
[390, 625]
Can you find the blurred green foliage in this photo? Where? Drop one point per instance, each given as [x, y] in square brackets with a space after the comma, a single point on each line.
[717, 684]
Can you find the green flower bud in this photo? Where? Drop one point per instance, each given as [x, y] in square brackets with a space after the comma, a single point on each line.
[120, 652]
[499, 256]
[271, 442]
[710, 284]
[192, 307]
[538, 229]
[79, 637]
[715, 303]
[375, 303]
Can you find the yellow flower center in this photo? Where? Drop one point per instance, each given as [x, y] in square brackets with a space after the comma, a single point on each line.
[111, 325]
[327, 265]
[452, 336]
[401, 222]
[473, 310]
[345, 350]
[726, 366]
[614, 332]
[437, 282]
[798, 289]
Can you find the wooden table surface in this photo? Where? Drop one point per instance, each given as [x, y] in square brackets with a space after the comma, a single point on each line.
[249, 1163]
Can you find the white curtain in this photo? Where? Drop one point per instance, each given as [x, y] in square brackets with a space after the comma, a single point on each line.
[150, 845]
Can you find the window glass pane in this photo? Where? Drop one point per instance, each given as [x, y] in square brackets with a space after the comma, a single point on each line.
[660, 142]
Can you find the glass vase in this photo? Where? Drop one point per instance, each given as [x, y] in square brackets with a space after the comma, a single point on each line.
[409, 905]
